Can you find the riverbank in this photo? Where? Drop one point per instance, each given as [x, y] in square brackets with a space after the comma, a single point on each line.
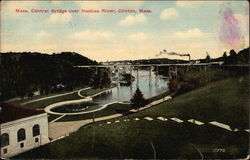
[111, 111]
[217, 101]
[27, 100]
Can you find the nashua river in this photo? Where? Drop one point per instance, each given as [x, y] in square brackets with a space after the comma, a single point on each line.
[149, 88]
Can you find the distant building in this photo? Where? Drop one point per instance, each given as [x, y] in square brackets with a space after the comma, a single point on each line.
[22, 129]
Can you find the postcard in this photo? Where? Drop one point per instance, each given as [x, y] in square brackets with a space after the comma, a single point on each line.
[124, 79]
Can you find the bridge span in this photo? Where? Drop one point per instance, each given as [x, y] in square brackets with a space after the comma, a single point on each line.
[118, 68]
[148, 65]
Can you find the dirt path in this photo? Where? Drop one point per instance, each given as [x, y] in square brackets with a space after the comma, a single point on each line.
[62, 129]
[58, 130]
[49, 97]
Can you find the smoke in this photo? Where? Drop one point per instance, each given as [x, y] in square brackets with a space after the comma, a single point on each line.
[230, 31]
[170, 53]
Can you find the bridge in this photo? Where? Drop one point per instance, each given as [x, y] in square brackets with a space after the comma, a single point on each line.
[173, 68]
[147, 65]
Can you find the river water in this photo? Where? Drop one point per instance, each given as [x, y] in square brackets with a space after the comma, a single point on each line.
[150, 87]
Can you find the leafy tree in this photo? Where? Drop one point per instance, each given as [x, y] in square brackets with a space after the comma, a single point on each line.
[138, 100]
[96, 81]
[225, 55]
[101, 79]
[128, 78]
[105, 80]
[208, 58]
[24, 72]
[232, 53]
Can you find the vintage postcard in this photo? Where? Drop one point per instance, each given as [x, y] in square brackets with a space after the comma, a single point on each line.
[124, 79]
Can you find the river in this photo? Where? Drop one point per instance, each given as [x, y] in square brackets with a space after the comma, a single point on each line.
[149, 88]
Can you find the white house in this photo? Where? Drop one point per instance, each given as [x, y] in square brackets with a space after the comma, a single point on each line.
[22, 129]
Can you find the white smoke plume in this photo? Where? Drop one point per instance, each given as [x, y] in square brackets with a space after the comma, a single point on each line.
[170, 53]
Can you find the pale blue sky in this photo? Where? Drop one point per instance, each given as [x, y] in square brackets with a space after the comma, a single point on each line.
[186, 27]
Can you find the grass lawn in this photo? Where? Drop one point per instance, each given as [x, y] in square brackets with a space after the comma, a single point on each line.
[158, 97]
[110, 110]
[45, 103]
[91, 92]
[73, 96]
[43, 96]
[222, 101]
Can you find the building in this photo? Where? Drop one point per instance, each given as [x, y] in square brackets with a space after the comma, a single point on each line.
[22, 129]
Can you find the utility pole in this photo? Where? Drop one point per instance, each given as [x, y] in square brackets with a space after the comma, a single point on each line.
[93, 134]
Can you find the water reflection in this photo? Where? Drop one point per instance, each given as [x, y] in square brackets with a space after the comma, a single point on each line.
[150, 87]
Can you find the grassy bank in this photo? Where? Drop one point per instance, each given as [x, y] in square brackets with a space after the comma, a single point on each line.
[47, 95]
[91, 92]
[45, 103]
[73, 96]
[222, 101]
[110, 110]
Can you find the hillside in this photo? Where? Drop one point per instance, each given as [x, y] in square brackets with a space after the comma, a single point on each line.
[23, 73]
[218, 101]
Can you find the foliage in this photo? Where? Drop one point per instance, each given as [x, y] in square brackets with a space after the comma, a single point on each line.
[128, 78]
[199, 76]
[241, 58]
[171, 140]
[23, 73]
[208, 58]
[138, 100]
[101, 80]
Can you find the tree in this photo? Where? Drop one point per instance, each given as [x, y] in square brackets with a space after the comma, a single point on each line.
[96, 81]
[138, 99]
[101, 79]
[224, 57]
[232, 52]
[224, 54]
[105, 80]
[128, 78]
[208, 58]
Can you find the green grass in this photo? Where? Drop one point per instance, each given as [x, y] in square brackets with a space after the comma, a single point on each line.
[43, 96]
[45, 103]
[149, 100]
[223, 101]
[110, 110]
[73, 96]
[91, 92]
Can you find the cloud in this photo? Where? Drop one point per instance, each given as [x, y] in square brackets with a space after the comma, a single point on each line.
[169, 13]
[60, 18]
[55, 2]
[91, 35]
[105, 5]
[188, 4]
[133, 19]
[133, 3]
[109, 4]
[43, 34]
[140, 36]
[8, 8]
[191, 33]
[93, 4]
[243, 21]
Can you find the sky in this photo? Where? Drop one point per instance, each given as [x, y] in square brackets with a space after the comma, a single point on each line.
[197, 28]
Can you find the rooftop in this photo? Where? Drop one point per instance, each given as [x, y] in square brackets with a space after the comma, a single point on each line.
[11, 112]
